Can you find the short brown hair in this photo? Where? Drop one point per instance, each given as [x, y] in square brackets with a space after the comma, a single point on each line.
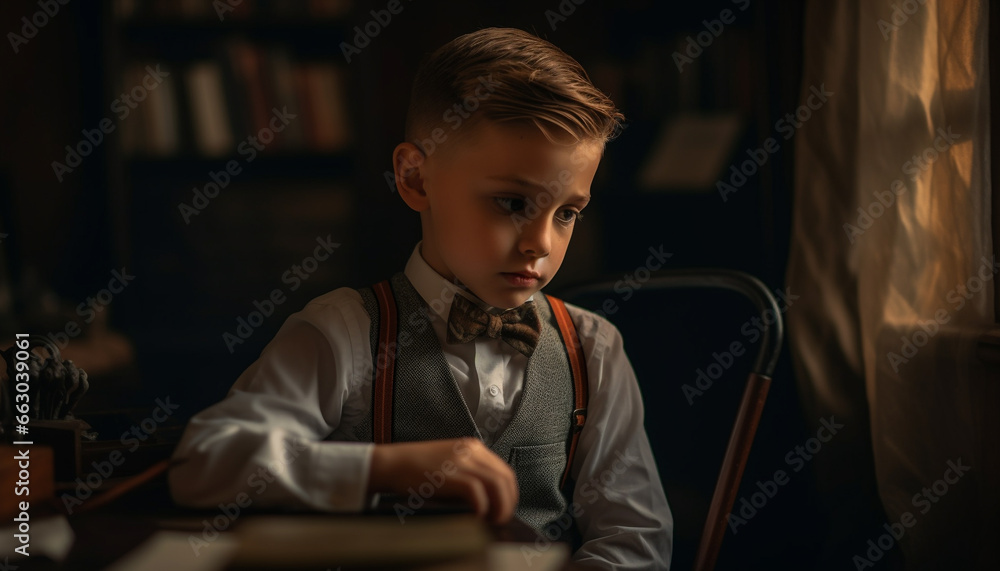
[529, 80]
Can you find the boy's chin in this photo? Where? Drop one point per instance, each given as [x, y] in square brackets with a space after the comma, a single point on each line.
[506, 301]
[497, 294]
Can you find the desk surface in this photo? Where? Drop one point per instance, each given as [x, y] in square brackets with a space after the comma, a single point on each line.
[144, 532]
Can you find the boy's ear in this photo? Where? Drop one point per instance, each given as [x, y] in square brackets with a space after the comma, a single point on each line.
[407, 162]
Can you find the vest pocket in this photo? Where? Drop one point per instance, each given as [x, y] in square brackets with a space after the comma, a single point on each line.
[539, 469]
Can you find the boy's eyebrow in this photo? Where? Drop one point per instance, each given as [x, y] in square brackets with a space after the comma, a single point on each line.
[529, 184]
[516, 180]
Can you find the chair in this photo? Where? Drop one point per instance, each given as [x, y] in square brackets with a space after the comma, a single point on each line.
[755, 393]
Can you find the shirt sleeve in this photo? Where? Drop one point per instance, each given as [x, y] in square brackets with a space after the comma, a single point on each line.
[618, 501]
[266, 439]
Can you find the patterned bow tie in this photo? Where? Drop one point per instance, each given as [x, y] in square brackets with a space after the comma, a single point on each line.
[519, 327]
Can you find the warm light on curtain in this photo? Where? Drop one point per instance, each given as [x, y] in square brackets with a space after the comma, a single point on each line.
[892, 234]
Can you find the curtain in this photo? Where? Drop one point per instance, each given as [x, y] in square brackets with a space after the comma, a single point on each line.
[892, 251]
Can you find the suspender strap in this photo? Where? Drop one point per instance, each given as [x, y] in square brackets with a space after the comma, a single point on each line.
[578, 366]
[385, 365]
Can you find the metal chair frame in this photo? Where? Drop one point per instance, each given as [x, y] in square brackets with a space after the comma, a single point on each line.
[754, 395]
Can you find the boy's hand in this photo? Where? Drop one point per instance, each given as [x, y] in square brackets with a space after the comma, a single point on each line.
[464, 467]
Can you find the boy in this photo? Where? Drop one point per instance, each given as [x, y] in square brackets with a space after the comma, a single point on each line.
[507, 135]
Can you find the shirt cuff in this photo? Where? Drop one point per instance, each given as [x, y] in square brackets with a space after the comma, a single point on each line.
[339, 473]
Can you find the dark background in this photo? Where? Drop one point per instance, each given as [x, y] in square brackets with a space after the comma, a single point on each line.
[194, 280]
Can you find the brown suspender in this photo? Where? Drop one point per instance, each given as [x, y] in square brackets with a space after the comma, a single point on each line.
[385, 365]
[578, 366]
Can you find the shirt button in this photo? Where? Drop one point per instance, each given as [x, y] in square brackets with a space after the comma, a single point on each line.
[494, 390]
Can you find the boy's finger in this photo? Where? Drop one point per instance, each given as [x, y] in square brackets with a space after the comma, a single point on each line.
[499, 484]
[509, 478]
[496, 483]
[469, 488]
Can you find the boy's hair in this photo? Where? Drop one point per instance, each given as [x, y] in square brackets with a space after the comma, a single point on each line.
[519, 77]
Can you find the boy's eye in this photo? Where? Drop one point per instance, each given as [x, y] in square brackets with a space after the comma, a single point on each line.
[510, 204]
[568, 216]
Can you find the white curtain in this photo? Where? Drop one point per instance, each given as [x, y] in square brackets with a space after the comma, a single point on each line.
[892, 250]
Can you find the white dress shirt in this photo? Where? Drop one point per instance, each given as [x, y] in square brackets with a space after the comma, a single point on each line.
[285, 433]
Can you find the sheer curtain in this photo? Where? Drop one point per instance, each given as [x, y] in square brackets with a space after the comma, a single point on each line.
[892, 250]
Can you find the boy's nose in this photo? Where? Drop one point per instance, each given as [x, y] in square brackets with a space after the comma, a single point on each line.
[536, 238]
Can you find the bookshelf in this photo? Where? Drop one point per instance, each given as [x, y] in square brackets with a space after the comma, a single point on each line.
[262, 78]
[235, 156]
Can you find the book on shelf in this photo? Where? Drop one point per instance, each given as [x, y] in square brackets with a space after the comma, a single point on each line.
[131, 124]
[163, 119]
[235, 95]
[280, 74]
[322, 87]
[152, 123]
[209, 116]
[250, 81]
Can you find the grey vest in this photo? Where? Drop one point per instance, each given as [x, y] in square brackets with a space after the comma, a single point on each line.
[428, 404]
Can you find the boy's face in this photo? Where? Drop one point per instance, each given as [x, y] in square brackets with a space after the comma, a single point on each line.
[498, 209]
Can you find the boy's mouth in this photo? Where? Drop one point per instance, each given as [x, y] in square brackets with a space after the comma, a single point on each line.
[521, 279]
